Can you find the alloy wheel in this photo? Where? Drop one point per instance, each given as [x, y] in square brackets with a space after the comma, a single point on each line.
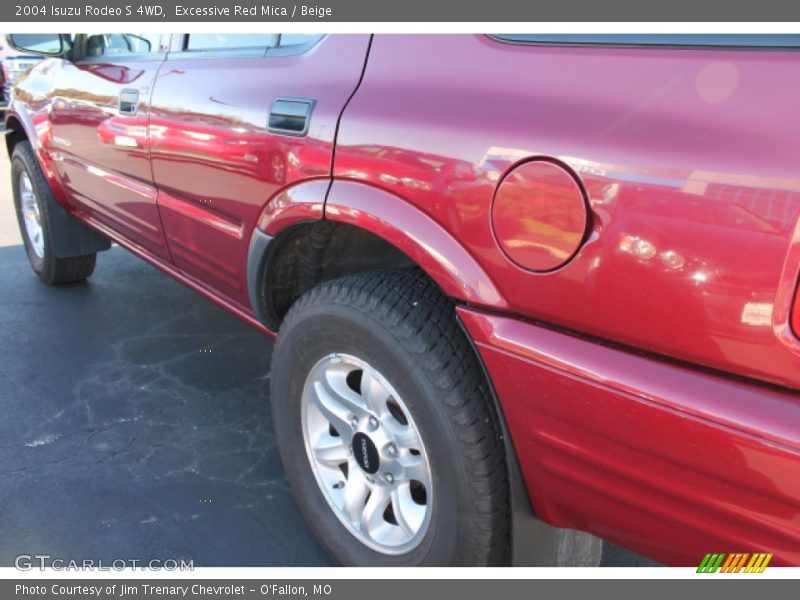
[367, 454]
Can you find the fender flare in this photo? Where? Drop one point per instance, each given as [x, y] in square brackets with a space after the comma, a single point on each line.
[417, 235]
[70, 235]
[18, 111]
[386, 215]
[302, 202]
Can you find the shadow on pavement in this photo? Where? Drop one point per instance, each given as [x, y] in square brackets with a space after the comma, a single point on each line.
[136, 426]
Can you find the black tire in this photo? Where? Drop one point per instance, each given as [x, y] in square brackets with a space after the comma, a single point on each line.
[402, 324]
[51, 269]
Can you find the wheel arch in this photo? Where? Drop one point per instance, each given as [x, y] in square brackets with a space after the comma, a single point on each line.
[22, 128]
[20, 123]
[15, 133]
[427, 243]
[321, 229]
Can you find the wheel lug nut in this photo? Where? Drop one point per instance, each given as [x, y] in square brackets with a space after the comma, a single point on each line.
[388, 478]
[354, 423]
[373, 423]
[391, 450]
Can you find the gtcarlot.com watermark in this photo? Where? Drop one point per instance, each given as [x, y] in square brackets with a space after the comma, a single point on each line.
[29, 562]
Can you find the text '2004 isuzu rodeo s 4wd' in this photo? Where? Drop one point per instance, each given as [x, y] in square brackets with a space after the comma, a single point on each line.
[565, 260]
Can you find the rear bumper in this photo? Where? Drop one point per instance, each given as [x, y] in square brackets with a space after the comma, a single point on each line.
[660, 458]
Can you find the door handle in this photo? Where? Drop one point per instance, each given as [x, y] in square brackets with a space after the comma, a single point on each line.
[290, 116]
[128, 102]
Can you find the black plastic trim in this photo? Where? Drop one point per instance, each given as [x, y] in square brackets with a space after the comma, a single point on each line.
[257, 253]
[71, 236]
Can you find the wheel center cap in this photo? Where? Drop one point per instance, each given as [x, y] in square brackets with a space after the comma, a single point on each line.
[366, 453]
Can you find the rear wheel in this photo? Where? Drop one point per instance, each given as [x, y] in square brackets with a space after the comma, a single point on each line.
[386, 428]
[31, 195]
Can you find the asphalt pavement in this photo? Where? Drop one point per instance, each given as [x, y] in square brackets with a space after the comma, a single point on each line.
[135, 422]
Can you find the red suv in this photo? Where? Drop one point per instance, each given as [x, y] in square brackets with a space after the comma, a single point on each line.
[565, 260]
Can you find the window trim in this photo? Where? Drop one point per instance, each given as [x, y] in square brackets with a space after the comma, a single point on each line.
[294, 49]
[232, 51]
[242, 52]
[617, 40]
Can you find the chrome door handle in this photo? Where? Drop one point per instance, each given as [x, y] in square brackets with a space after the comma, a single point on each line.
[290, 116]
[128, 102]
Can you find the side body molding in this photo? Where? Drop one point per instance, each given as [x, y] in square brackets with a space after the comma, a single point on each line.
[417, 235]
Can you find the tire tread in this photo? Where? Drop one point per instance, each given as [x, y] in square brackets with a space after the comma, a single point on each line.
[423, 320]
[55, 270]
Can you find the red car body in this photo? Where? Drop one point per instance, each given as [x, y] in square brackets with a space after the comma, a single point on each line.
[649, 382]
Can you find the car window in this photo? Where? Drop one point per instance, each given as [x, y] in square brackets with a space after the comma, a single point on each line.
[230, 41]
[122, 44]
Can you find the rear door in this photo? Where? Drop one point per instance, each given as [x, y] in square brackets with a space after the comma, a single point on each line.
[216, 162]
[99, 119]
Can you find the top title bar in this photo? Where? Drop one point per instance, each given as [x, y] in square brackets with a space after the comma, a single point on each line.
[441, 11]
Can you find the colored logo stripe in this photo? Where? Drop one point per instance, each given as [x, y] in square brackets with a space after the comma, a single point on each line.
[734, 563]
[758, 563]
[710, 563]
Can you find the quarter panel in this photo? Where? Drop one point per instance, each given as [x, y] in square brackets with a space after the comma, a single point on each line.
[687, 156]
